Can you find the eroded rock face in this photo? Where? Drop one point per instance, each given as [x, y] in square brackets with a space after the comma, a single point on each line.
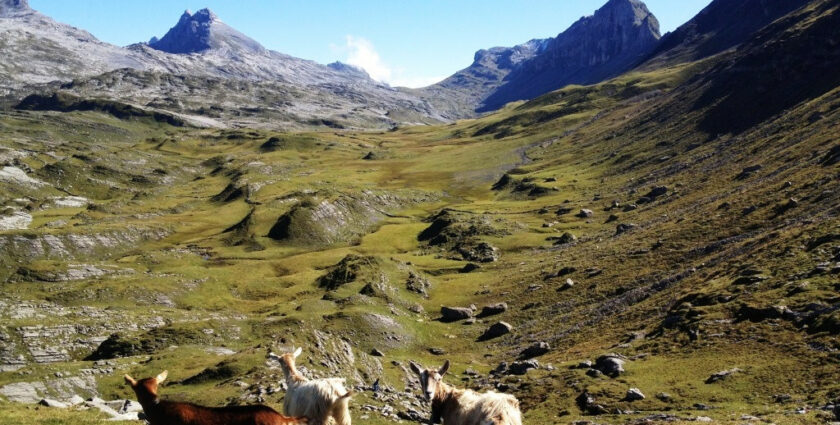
[15, 220]
[62, 389]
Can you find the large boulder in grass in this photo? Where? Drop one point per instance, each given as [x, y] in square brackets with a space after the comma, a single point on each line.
[535, 350]
[496, 330]
[494, 309]
[610, 364]
[454, 314]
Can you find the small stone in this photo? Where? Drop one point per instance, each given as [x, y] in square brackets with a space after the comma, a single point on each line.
[585, 213]
[569, 284]
[624, 228]
[376, 353]
[664, 397]
[586, 364]
[782, 398]
[437, 351]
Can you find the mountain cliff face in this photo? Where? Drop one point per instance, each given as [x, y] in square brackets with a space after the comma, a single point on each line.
[204, 31]
[613, 40]
[595, 48]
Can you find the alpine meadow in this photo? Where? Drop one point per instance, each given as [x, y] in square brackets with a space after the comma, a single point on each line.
[610, 226]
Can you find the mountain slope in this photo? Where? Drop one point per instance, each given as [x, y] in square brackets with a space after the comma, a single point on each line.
[37, 49]
[618, 36]
[721, 25]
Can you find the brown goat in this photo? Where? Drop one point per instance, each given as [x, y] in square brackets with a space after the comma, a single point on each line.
[160, 412]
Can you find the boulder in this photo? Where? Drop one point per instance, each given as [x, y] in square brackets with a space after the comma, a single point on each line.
[656, 192]
[376, 353]
[585, 213]
[634, 394]
[565, 238]
[720, 376]
[624, 228]
[454, 314]
[469, 267]
[496, 330]
[535, 350]
[522, 367]
[610, 364]
[494, 309]
[586, 403]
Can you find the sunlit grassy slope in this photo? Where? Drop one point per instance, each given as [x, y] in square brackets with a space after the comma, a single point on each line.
[258, 241]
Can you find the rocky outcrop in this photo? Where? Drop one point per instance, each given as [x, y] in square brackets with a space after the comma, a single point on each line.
[203, 31]
[10, 8]
[339, 219]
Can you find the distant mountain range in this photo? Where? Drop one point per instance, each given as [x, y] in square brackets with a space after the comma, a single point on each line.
[204, 69]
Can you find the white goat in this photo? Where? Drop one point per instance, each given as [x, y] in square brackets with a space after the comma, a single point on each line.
[317, 399]
[465, 407]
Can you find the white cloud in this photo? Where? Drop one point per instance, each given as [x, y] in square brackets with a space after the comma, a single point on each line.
[360, 52]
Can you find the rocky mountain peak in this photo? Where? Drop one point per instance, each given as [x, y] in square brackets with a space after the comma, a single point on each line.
[629, 8]
[203, 31]
[13, 7]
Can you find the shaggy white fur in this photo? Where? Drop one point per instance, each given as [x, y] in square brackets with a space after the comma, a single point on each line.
[465, 407]
[320, 400]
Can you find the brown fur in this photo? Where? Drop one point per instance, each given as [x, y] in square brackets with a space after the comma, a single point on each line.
[159, 412]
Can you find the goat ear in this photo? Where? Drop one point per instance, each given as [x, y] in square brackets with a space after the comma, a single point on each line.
[444, 368]
[130, 381]
[416, 368]
[162, 377]
[298, 351]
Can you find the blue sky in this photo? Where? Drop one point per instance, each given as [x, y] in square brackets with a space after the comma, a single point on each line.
[411, 43]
